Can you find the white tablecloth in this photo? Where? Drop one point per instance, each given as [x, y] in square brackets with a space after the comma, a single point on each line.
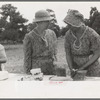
[17, 77]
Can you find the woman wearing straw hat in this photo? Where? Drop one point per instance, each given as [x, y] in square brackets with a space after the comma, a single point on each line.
[36, 50]
[82, 45]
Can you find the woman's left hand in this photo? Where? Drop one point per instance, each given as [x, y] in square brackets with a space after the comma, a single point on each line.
[73, 72]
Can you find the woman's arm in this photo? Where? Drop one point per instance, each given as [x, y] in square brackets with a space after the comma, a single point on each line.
[95, 56]
[27, 46]
[68, 53]
[69, 60]
[94, 39]
[55, 43]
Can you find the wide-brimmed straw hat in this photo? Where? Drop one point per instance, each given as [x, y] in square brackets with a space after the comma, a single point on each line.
[74, 18]
[42, 15]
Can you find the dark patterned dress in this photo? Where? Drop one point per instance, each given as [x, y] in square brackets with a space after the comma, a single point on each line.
[88, 44]
[37, 53]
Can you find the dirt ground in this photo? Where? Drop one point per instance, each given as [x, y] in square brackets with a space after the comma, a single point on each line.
[15, 56]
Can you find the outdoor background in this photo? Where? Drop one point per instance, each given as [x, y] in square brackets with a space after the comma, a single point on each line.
[16, 19]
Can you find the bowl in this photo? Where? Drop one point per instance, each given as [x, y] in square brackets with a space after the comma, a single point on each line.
[80, 75]
[60, 71]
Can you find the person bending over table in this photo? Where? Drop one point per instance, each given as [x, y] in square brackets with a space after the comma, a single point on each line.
[82, 45]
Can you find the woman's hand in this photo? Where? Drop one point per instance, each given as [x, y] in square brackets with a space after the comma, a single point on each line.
[73, 72]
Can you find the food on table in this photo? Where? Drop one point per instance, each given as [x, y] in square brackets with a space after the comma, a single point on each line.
[35, 71]
[36, 75]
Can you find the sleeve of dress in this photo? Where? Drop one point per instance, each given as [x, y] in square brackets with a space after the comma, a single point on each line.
[27, 46]
[55, 43]
[94, 41]
[52, 41]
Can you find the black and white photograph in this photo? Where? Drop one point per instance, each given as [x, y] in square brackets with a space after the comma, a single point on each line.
[49, 43]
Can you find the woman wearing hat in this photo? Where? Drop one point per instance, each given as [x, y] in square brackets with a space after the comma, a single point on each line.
[36, 51]
[82, 45]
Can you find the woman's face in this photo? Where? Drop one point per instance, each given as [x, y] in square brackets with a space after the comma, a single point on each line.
[46, 24]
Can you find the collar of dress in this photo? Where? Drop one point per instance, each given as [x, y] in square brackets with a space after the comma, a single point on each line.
[74, 45]
[81, 36]
[43, 38]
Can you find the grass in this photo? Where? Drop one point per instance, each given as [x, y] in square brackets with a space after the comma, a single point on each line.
[15, 56]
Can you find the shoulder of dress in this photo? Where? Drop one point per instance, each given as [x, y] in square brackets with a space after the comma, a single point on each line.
[30, 34]
[90, 29]
[49, 32]
[91, 32]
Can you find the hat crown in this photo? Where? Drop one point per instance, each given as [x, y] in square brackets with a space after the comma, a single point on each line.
[74, 18]
[42, 14]
[75, 13]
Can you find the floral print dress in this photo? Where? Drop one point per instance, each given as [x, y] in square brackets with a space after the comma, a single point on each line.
[37, 53]
[89, 43]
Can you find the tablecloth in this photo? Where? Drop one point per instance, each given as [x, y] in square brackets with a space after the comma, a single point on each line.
[17, 77]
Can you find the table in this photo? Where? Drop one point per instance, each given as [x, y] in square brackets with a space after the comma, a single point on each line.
[16, 77]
